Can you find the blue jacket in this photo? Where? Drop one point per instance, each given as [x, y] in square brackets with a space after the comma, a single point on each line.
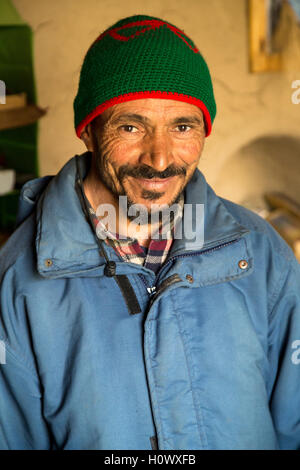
[212, 361]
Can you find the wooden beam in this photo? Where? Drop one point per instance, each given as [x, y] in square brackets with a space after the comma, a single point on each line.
[20, 117]
[14, 102]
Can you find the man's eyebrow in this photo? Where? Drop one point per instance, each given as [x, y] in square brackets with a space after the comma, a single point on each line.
[145, 120]
[187, 120]
[130, 116]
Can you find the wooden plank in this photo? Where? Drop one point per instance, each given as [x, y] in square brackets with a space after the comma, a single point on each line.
[20, 117]
[14, 102]
[260, 58]
[286, 225]
[279, 200]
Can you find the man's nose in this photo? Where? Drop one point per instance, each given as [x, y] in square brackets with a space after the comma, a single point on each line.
[157, 151]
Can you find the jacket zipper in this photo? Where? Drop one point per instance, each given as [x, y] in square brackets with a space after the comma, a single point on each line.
[155, 291]
[164, 285]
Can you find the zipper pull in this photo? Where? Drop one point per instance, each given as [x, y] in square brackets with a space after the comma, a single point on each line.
[151, 290]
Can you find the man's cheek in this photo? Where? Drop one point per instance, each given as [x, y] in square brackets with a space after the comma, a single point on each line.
[189, 158]
[116, 151]
[191, 150]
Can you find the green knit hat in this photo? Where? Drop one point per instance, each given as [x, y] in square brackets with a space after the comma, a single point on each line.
[142, 57]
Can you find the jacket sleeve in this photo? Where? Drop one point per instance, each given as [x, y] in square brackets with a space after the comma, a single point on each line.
[22, 426]
[284, 357]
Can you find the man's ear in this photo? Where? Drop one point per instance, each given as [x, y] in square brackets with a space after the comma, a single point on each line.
[86, 136]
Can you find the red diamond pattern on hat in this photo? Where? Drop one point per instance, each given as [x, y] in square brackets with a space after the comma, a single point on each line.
[151, 24]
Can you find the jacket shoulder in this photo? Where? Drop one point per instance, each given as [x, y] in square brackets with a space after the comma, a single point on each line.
[23, 238]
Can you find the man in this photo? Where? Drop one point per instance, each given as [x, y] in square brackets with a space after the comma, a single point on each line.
[118, 336]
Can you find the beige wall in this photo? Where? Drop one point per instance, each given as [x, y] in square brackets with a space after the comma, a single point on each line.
[249, 105]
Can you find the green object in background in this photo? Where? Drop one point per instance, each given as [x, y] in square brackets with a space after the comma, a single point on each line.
[8, 209]
[19, 145]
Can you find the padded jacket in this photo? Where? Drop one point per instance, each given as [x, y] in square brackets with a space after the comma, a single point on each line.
[203, 355]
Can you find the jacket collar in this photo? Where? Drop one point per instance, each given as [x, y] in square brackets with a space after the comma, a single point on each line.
[66, 244]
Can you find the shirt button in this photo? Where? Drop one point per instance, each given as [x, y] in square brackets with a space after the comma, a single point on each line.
[243, 264]
[189, 278]
[48, 263]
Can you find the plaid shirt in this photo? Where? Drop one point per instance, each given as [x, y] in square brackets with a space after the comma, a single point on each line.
[129, 249]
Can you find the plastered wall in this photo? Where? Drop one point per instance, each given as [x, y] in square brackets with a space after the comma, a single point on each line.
[249, 105]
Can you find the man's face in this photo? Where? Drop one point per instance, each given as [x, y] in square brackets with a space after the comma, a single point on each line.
[148, 149]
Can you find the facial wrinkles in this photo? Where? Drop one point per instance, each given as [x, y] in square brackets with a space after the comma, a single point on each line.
[106, 169]
[113, 173]
[114, 176]
[110, 142]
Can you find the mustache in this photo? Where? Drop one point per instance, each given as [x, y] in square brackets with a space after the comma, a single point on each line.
[148, 172]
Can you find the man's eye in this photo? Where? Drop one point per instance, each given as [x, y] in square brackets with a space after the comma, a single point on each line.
[128, 128]
[183, 128]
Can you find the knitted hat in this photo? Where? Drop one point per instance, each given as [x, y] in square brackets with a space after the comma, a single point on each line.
[142, 57]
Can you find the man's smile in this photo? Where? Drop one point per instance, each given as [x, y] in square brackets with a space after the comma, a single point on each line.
[155, 183]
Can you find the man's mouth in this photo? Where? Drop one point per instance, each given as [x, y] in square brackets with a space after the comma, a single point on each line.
[155, 183]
